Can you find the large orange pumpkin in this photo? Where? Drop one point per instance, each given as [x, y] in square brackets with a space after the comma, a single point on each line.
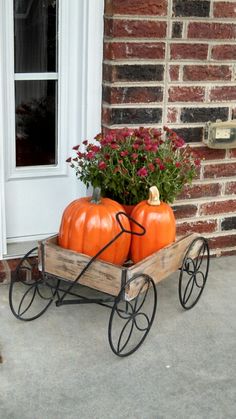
[88, 224]
[158, 220]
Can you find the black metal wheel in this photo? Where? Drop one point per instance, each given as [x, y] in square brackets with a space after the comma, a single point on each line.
[194, 272]
[131, 321]
[31, 292]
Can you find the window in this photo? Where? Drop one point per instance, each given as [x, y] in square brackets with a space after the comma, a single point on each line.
[36, 82]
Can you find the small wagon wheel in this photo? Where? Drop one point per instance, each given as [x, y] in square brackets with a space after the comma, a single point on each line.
[193, 273]
[31, 292]
[131, 321]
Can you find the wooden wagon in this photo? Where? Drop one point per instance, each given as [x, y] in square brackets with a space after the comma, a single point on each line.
[128, 290]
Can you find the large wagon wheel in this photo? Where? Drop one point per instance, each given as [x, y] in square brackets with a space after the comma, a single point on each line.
[193, 273]
[31, 292]
[131, 321]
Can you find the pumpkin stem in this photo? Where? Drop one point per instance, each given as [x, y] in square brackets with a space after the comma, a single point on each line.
[96, 197]
[154, 196]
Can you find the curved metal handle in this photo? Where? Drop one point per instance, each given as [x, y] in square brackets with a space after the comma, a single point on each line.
[124, 230]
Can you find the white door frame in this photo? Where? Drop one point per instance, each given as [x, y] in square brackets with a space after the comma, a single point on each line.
[84, 83]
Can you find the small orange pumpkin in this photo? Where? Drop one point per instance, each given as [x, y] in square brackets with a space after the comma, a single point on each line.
[88, 224]
[159, 221]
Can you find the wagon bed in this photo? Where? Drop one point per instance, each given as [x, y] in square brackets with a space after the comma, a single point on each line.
[109, 278]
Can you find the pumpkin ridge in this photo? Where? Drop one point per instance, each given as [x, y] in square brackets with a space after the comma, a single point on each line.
[78, 243]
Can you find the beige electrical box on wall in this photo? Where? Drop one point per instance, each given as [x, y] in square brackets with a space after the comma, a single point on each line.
[220, 134]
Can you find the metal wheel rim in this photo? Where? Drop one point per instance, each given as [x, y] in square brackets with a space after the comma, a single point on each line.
[193, 281]
[151, 286]
[34, 286]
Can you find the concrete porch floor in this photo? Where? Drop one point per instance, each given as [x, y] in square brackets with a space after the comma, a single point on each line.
[60, 366]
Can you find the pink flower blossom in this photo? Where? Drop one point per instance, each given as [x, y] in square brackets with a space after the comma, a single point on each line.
[114, 146]
[179, 142]
[148, 147]
[154, 147]
[80, 155]
[90, 155]
[76, 147]
[109, 138]
[142, 172]
[151, 167]
[95, 148]
[124, 153]
[102, 165]
[68, 160]
[98, 137]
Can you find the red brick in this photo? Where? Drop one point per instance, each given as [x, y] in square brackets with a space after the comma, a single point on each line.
[228, 252]
[133, 72]
[3, 274]
[106, 115]
[172, 114]
[184, 211]
[186, 94]
[220, 170]
[218, 207]
[207, 153]
[207, 72]
[230, 188]
[13, 263]
[223, 93]
[132, 94]
[201, 190]
[196, 227]
[202, 30]
[188, 51]
[224, 52]
[117, 28]
[174, 72]
[222, 241]
[122, 50]
[232, 153]
[224, 9]
[136, 7]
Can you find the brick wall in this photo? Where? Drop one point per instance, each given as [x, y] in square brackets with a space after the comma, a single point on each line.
[174, 63]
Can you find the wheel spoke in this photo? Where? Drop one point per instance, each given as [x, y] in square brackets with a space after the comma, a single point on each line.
[120, 349]
[23, 299]
[189, 289]
[43, 297]
[142, 329]
[201, 274]
[124, 313]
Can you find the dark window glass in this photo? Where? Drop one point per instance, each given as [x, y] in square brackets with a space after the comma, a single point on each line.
[36, 121]
[35, 30]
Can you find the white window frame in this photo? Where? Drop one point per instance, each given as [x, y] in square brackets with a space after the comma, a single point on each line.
[80, 87]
